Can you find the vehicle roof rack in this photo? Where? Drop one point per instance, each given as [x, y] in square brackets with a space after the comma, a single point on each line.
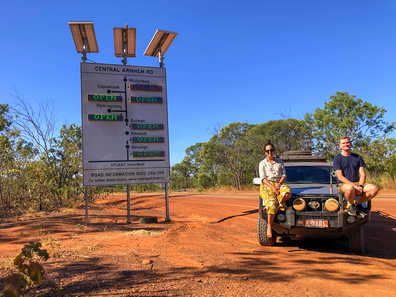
[303, 156]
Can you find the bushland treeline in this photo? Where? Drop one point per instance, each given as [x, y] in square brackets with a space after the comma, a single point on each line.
[232, 154]
[41, 169]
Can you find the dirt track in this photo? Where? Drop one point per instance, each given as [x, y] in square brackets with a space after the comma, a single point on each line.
[208, 249]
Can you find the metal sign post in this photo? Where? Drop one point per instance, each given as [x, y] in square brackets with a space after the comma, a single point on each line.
[86, 206]
[167, 219]
[124, 111]
[128, 204]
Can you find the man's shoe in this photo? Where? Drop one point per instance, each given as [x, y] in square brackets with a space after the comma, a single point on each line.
[361, 210]
[352, 210]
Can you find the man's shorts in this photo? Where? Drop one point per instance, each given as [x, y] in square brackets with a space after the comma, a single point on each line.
[339, 187]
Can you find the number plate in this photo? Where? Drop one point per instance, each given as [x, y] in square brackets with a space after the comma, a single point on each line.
[317, 223]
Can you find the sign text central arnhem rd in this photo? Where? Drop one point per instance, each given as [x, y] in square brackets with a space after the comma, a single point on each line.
[125, 125]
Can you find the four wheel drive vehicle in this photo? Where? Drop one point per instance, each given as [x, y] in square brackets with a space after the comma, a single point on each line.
[315, 209]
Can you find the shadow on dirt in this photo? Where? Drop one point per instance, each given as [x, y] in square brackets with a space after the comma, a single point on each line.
[379, 236]
[275, 271]
[93, 275]
[66, 224]
[137, 203]
[379, 233]
[245, 213]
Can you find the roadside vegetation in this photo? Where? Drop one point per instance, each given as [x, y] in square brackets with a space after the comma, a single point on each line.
[230, 158]
[41, 168]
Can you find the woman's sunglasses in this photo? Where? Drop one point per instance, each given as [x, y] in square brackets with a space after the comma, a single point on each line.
[271, 150]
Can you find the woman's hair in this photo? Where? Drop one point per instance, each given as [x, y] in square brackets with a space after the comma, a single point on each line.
[268, 143]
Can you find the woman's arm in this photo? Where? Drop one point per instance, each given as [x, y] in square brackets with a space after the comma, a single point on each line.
[263, 175]
[268, 184]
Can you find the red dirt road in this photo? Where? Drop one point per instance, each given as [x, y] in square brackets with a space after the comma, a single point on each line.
[208, 249]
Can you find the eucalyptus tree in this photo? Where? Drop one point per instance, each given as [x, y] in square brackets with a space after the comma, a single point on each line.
[380, 157]
[347, 115]
[68, 154]
[184, 171]
[229, 151]
[15, 154]
[286, 135]
[37, 125]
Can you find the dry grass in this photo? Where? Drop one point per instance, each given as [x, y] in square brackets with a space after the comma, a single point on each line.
[142, 233]
[6, 262]
[230, 189]
[73, 207]
[25, 233]
[388, 183]
[384, 182]
[38, 234]
[195, 217]
[102, 238]
[51, 244]
[132, 253]
[66, 209]
[30, 213]
[90, 247]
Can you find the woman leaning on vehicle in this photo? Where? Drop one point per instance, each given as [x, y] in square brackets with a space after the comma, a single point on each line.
[272, 189]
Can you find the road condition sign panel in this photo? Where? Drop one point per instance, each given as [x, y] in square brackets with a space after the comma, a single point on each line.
[125, 127]
[143, 87]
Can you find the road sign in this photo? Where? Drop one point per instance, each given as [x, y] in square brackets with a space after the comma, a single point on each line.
[124, 124]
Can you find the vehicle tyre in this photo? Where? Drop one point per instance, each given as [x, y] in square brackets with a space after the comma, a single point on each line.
[262, 233]
[356, 241]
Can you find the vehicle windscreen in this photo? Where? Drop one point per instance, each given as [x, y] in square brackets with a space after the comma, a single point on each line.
[309, 175]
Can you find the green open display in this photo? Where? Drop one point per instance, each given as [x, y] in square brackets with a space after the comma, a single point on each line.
[145, 154]
[146, 100]
[147, 126]
[148, 139]
[105, 117]
[97, 97]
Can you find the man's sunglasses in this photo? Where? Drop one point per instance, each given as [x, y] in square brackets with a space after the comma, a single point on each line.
[271, 150]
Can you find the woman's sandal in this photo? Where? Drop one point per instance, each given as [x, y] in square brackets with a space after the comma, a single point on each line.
[282, 205]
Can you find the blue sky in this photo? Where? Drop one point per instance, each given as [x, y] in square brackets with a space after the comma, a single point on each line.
[232, 60]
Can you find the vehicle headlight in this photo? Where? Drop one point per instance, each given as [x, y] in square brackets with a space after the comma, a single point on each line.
[299, 204]
[332, 205]
[351, 219]
[281, 217]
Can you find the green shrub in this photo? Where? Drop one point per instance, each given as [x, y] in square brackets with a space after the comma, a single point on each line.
[29, 270]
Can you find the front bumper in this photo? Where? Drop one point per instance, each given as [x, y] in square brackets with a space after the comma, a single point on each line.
[294, 224]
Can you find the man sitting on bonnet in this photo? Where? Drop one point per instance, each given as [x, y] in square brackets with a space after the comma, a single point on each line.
[351, 175]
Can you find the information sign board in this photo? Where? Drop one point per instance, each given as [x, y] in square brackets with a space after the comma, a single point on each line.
[124, 125]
